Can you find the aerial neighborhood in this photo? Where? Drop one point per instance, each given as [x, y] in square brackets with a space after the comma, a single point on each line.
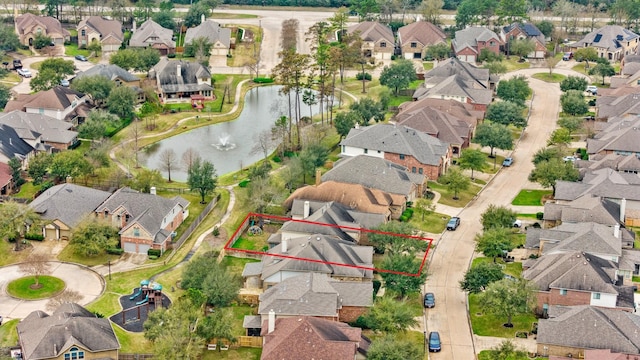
[330, 180]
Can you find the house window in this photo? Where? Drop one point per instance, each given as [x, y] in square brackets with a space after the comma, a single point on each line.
[383, 44]
[343, 148]
[414, 45]
[401, 156]
[83, 32]
[74, 354]
[366, 151]
[41, 111]
[413, 169]
[563, 292]
[136, 231]
[596, 296]
[106, 213]
[420, 171]
[491, 43]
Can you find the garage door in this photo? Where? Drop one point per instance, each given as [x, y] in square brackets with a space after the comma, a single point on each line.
[143, 249]
[129, 247]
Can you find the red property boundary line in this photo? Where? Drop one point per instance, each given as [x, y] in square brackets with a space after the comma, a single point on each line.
[240, 228]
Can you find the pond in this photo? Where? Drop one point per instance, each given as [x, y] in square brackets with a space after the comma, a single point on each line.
[228, 146]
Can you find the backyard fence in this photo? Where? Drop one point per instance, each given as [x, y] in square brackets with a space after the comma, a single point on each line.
[194, 225]
[250, 341]
[134, 356]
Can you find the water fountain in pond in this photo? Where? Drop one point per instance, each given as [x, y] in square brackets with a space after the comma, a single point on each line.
[224, 143]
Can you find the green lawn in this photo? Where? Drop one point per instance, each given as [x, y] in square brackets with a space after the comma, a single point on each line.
[21, 288]
[414, 84]
[236, 264]
[27, 191]
[428, 65]
[528, 216]
[552, 78]
[491, 325]
[68, 255]
[131, 342]
[433, 223]
[397, 100]
[72, 50]
[447, 196]
[222, 15]
[238, 354]
[512, 64]
[8, 333]
[513, 268]
[528, 197]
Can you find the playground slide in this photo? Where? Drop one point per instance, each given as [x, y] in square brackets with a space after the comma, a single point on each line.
[135, 295]
[143, 301]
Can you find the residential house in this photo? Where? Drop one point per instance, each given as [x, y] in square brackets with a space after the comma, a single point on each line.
[572, 330]
[415, 38]
[629, 72]
[600, 354]
[577, 278]
[6, 179]
[61, 103]
[454, 79]
[419, 152]
[177, 79]
[38, 129]
[70, 332]
[440, 124]
[619, 138]
[609, 107]
[64, 206]
[469, 43]
[340, 259]
[378, 41]
[97, 28]
[377, 173]
[312, 338]
[303, 209]
[12, 146]
[462, 110]
[146, 221]
[354, 196]
[28, 26]
[525, 31]
[219, 37]
[611, 42]
[118, 75]
[586, 208]
[151, 35]
[620, 163]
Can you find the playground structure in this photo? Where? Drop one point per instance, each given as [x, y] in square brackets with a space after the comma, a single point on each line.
[151, 292]
[137, 305]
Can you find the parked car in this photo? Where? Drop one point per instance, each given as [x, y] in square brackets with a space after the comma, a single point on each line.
[567, 56]
[507, 162]
[517, 223]
[429, 300]
[24, 73]
[17, 64]
[434, 341]
[453, 223]
[64, 82]
[592, 89]
[81, 58]
[569, 158]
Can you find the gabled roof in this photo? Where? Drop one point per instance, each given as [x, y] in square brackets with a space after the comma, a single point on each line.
[373, 31]
[151, 33]
[586, 208]
[529, 29]
[470, 36]
[605, 182]
[51, 24]
[44, 337]
[104, 27]
[458, 109]
[456, 78]
[210, 30]
[423, 32]
[68, 203]
[5, 175]
[398, 139]
[588, 237]
[590, 327]
[110, 71]
[311, 338]
[608, 37]
[11, 145]
[612, 106]
[376, 173]
[621, 136]
[612, 161]
[342, 213]
[51, 129]
[321, 254]
[166, 72]
[57, 98]
[325, 220]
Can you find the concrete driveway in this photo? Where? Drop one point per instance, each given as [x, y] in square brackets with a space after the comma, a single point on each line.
[79, 278]
[24, 88]
[455, 249]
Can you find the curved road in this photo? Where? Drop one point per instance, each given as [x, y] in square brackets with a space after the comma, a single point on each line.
[455, 250]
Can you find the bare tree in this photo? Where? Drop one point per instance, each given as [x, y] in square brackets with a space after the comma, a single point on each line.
[135, 133]
[189, 157]
[263, 143]
[289, 34]
[551, 63]
[35, 264]
[168, 161]
[65, 297]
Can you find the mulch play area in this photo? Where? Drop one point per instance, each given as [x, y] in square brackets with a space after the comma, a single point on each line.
[136, 310]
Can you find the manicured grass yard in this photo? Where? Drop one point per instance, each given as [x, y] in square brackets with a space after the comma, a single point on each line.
[514, 268]
[447, 196]
[8, 333]
[491, 325]
[530, 197]
[21, 288]
[132, 342]
[238, 354]
[27, 191]
[433, 223]
[400, 99]
[552, 78]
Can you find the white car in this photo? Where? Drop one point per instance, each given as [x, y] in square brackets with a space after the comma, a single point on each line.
[24, 72]
[592, 89]
[569, 158]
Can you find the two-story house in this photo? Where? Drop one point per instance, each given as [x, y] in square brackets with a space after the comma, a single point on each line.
[39, 130]
[118, 75]
[378, 41]
[97, 28]
[151, 35]
[415, 38]
[525, 31]
[12, 146]
[177, 79]
[469, 43]
[611, 42]
[218, 36]
[60, 103]
[28, 26]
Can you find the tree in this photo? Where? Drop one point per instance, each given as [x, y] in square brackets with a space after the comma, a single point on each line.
[168, 161]
[189, 157]
[263, 143]
[389, 315]
[138, 59]
[516, 89]
[95, 126]
[494, 136]
[51, 72]
[551, 62]
[439, 51]
[510, 11]
[345, 121]
[16, 171]
[193, 16]
[121, 101]
[494, 242]
[455, 182]
[164, 18]
[368, 109]
[546, 154]
[200, 48]
[202, 177]
[507, 350]
[98, 86]
[559, 137]
[472, 159]
[479, 276]
[498, 217]
[521, 47]
[508, 298]
[93, 237]
[204, 273]
[467, 14]
[35, 264]
[9, 40]
[586, 54]
[573, 102]
[67, 296]
[217, 325]
[5, 95]
[364, 8]
[398, 76]
[506, 113]
[407, 264]
[603, 70]
[546, 27]
[38, 167]
[145, 179]
[313, 156]
[424, 207]
[394, 348]
[547, 173]
[69, 163]
[487, 55]
[14, 217]
[572, 124]
[41, 40]
[495, 67]
[387, 234]
[264, 194]
[573, 83]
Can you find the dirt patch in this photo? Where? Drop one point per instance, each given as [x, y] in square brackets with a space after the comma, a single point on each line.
[217, 242]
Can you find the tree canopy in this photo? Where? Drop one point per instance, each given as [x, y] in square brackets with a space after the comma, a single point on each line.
[602, 69]
[398, 76]
[494, 136]
[547, 173]
[98, 86]
[516, 90]
[401, 283]
[138, 59]
[472, 159]
[389, 315]
[51, 73]
[572, 82]
[202, 177]
[479, 276]
[506, 113]
[494, 242]
[394, 348]
[455, 182]
[121, 101]
[93, 237]
[498, 217]
[573, 102]
[216, 283]
[507, 298]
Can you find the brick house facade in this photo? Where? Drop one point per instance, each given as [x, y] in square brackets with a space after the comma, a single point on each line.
[413, 165]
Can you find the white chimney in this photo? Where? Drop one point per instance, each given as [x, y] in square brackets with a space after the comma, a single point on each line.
[616, 231]
[152, 191]
[201, 18]
[285, 246]
[307, 209]
[272, 321]
[178, 70]
[134, 26]
[357, 126]
[623, 209]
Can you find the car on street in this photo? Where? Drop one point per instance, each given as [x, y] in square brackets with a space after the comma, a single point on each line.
[567, 56]
[507, 162]
[517, 223]
[453, 223]
[569, 158]
[429, 300]
[64, 82]
[24, 73]
[592, 89]
[81, 58]
[17, 64]
[434, 342]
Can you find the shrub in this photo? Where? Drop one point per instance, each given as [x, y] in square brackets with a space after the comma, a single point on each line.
[216, 231]
[277, 159]
[171, 56]
[262, 80]
[539, 215]
[153, 252]
[244, 183]
[32, 236]
[14, 237]
[153, 257]
[115, 251]
[366, 76]
[393, 57]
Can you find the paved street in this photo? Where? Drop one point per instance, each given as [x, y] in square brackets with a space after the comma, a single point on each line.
[24, 88]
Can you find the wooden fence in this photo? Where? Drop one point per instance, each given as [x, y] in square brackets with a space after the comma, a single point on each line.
[194, 225]
[250, 341]
[122, 356]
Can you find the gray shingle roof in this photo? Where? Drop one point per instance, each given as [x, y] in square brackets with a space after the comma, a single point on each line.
[12, 145]
[589, 237]
[470, 36]
[110, 71]
[398, 139]
[151, 33]
[612, 106]
[362, 219]
[43, 336]
[166, 72]
[373, 31]
[621, 136]
[51, 130]
[104, 27]
[456, 78]
[210, 30]
[606, 183]
[608, 37]
[68, 203]
[591, 328]
[586, 208]
[423, 32]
